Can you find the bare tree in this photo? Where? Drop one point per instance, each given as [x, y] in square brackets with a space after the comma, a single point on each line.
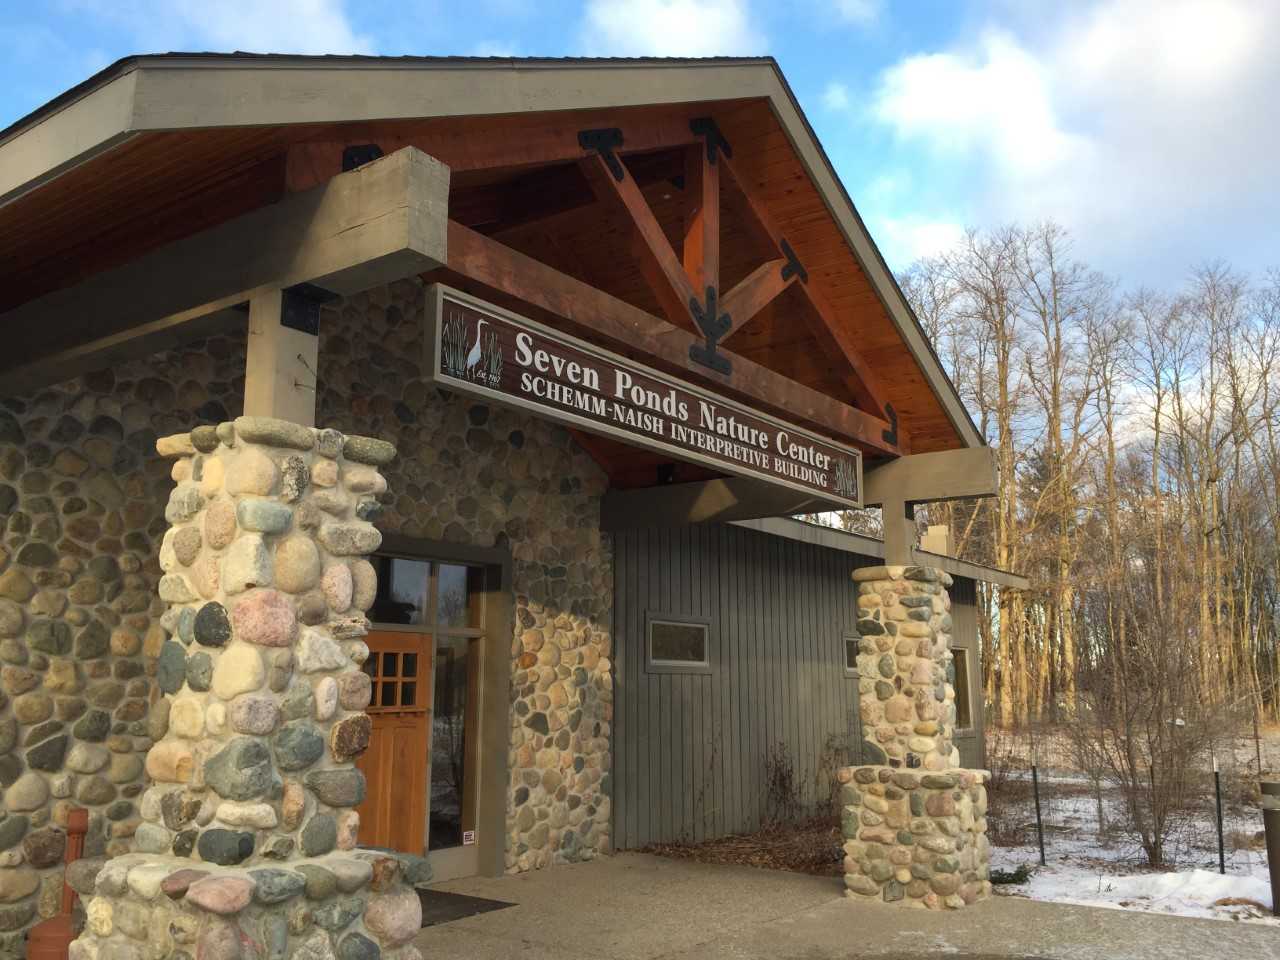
[1138, 454]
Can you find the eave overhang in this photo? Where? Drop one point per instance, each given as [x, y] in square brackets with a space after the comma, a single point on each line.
[181, 92]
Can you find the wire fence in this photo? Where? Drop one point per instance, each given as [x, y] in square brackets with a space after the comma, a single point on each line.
[1046, 806]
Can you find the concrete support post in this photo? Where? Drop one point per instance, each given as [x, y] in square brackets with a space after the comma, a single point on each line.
[914, 823]
[248, 842]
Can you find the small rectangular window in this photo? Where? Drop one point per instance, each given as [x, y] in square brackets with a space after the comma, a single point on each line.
[958, 677]
[677, 644]
[851, 655]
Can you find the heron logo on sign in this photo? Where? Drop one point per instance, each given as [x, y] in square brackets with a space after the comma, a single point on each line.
[469, 352]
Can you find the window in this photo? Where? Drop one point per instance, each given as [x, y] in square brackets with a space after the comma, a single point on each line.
[461, 591]
[677, 644]
[395, 678]
[851, 641]
[428, 595]
[958, 677]
[403, 595]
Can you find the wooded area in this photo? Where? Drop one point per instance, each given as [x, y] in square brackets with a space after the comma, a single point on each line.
[1139, 466]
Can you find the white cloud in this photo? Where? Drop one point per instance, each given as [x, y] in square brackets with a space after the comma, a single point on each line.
[836, 96]
[995, 99]
[904, 240]
[1136, 123]
[670, 28]
[256, 26]
[858, 11]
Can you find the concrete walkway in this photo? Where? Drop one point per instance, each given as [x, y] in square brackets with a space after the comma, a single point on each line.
[637, 907]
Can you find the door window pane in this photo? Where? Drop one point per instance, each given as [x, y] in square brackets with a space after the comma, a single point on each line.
[449, 816]
[402, 591]
[461, 589]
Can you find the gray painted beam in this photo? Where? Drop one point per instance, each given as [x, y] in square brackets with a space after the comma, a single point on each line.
[370, 226]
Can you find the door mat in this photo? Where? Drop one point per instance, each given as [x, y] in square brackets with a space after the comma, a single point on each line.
[440, 907]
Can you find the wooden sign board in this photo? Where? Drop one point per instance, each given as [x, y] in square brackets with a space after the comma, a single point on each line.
[477, 348]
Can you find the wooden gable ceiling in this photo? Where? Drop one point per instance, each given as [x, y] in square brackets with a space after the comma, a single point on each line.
[513, 180]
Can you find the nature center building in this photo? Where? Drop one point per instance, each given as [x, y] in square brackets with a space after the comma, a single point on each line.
[398, 454]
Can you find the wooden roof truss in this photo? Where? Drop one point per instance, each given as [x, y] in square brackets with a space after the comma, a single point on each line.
[687, 285]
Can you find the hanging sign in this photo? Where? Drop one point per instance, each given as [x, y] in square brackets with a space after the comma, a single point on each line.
[477, 348]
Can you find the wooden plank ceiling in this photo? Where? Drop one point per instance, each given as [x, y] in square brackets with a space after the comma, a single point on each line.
[512, 180]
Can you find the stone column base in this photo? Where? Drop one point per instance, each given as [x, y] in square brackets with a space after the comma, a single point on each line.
[915, 838]
[343, 906]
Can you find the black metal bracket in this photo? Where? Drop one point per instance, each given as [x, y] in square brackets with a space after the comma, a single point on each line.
[359, 154]
[300, 307]
[606, 142]
[715, 141]
[713, 325]
[793, 266]
[891, 435]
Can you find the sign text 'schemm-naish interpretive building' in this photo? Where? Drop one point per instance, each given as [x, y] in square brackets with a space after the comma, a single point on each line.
[481, 349]
[399, 464]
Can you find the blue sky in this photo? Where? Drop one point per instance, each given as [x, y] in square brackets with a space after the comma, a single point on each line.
[1147, 127]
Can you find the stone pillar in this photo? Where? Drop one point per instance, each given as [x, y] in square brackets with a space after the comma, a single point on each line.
[914, 824]
[248, 842]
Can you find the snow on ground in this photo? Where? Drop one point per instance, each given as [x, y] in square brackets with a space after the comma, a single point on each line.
[1082, 869]
[1195, 892]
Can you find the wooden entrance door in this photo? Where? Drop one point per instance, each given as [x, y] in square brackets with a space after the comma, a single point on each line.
[394, 813]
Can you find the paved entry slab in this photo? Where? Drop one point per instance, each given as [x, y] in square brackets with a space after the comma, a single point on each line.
[639, 907]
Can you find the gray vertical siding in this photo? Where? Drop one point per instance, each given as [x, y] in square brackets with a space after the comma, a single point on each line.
[689, 749]
[964, 633]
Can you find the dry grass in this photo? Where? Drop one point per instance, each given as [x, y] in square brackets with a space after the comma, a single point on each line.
[812, 847]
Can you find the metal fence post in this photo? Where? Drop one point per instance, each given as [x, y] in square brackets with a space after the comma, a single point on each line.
[1217, 792]
[1271, 824]
[1035, 787]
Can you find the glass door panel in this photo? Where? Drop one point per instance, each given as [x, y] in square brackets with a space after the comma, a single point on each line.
[452, 807]
[461, 592]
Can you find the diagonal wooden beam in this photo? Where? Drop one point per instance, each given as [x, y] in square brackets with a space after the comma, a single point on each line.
[673, 308]
[591, 311]
[863, 383]
[754, 292]
[662, 268]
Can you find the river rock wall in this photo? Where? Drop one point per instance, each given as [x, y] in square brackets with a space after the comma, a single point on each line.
[82, 501]
[914, 824]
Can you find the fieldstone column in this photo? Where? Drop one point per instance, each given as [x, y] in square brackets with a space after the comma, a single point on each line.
[914, 824]
[248, 842]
